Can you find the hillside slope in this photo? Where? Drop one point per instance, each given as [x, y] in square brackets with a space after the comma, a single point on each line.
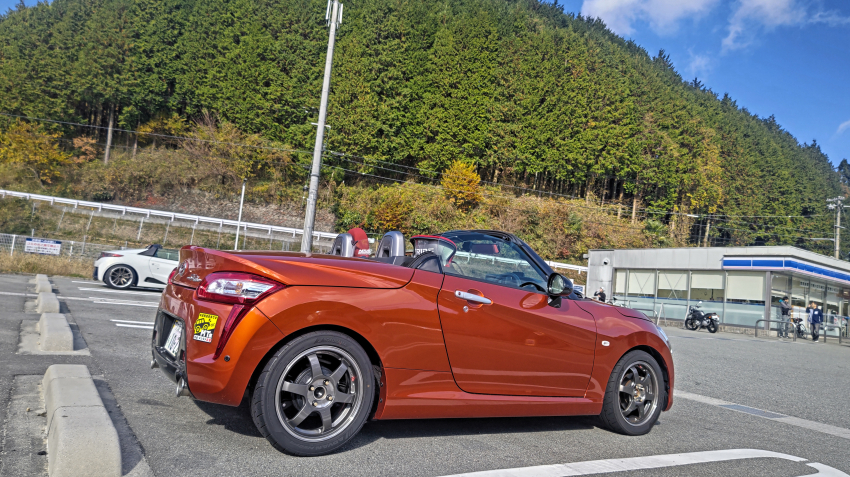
[531, 96]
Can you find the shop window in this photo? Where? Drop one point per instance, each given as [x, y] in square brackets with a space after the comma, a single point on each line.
[707, 286]
[673, 285]
[745, 288]
[620, 282]
[641, 284]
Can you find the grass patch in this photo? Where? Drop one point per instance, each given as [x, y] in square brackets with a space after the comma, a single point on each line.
[52, 265]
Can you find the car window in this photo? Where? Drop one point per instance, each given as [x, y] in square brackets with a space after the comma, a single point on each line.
[168, 254]
[493, 260]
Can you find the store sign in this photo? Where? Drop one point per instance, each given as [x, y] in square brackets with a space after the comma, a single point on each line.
[42, 246]
[835, 290]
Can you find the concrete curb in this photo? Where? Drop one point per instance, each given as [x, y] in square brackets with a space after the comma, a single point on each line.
[81, 439]
[47, 303]
[43, 286]
[55, 333]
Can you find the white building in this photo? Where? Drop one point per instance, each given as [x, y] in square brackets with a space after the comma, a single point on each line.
[741, 284]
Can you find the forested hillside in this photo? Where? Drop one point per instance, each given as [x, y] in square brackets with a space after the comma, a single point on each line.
[532, 97]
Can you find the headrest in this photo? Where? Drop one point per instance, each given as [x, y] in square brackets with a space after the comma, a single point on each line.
[361, 242]
[343, 245]
[391, 245]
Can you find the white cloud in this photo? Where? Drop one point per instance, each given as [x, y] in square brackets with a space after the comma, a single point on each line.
[752, 15]
[829, 18]
[699, 65]
[843, 127]
[663, 15]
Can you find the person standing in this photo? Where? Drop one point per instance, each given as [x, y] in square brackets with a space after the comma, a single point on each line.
[600, 295]
[784, 315]
[815, 319]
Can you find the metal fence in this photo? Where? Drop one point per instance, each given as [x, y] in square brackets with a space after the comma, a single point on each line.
[17, 244]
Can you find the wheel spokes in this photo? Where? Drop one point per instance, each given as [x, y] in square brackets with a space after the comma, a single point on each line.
[300, 389]
[630, 408]
[327, 422]
[641, 410]
[628, 388]
[304, 413]
[337, 374]
[344, 398]
[315, 367]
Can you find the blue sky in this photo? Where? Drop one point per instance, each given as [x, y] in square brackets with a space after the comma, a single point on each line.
[789, 58]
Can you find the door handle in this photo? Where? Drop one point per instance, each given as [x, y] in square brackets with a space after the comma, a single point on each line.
[473, 297]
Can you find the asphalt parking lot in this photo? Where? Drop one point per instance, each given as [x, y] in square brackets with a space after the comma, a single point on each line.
[776, 408]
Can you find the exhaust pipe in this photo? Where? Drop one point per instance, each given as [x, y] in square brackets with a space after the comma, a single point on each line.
[182, 388]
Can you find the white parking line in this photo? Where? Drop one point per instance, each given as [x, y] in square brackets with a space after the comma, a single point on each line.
[769, 415]
[106, 290]
[134, 326]
[134, 322]
[17, 294]
[649, 462]
[107, 301]
[87, 283]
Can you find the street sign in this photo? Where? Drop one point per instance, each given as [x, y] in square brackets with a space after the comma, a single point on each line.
[43, 246]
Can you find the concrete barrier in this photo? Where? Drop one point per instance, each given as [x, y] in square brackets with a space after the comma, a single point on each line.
[55, 333]
[42, 286]
[81, 439]
[47, 303]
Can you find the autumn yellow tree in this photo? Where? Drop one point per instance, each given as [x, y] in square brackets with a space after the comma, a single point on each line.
[462, 185]
[29, 146]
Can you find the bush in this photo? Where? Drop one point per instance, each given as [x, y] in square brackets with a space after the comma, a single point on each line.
[462, 185]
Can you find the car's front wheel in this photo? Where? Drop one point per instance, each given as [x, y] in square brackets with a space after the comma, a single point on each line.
[635, 395]
[120, 277]
[314, 394]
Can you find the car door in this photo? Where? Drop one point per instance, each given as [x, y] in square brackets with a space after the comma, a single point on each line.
[501, 333]
[162, 263]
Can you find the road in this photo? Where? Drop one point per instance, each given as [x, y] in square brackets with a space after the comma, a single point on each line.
[803, 386]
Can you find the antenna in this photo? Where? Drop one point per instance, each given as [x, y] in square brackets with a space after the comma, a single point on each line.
[339, 20]
[328, 13]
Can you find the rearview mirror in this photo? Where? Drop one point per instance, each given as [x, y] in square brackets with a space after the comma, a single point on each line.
[559, 285]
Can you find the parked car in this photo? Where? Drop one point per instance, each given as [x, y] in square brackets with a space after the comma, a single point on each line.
[146, 267]
[469, 324]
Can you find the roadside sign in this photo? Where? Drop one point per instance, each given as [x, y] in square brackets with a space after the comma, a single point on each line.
[43, 246]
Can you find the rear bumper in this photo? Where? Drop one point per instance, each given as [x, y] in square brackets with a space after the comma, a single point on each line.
[172, 366]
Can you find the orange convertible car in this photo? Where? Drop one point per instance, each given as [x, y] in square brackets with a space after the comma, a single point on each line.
[469, 324]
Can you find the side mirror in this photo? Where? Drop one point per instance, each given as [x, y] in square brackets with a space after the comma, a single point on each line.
[559, 285]
[699, 303]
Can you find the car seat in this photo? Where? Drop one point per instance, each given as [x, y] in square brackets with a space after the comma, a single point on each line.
[391, 245]
[343, 245]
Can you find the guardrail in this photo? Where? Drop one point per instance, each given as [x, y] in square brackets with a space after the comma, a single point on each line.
[167, 215]
[840, 329]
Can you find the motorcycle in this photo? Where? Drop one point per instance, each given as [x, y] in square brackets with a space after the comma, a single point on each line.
[697, 319]
[799, 327]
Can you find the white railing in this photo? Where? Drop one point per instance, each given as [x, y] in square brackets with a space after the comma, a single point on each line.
[515, 261]
[567, 266]
[198, 219]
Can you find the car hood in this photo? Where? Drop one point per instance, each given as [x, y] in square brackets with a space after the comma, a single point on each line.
[292, 268]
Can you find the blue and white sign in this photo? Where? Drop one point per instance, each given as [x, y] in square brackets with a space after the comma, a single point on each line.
[43, 246]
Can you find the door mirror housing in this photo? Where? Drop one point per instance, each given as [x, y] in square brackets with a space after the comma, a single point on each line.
[559, 285]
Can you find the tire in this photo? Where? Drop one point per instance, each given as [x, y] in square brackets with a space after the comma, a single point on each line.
[296, 408]
[120, 277]
[691, 324]
[712, 326]
[634, 408]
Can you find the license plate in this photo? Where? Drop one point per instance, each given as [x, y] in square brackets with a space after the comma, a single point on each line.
[173, 342]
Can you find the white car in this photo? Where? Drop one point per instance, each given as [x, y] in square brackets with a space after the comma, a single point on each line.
[147, 267]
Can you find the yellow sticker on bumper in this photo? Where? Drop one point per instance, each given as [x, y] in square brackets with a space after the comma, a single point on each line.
[204, 326]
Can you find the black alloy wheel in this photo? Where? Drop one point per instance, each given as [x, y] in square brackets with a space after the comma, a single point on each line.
[712, 326]
[635, 395]
[315, 394]
[691, 324]
[120, 277]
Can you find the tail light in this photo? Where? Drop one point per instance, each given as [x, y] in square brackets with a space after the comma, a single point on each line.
[171, 275]
[107, 255]
[242, 290]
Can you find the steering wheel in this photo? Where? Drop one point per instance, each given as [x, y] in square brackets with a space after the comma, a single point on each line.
[535, 286]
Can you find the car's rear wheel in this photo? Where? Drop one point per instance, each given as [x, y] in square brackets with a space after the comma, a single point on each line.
[314, 394]
[120, 277]
[635, 395]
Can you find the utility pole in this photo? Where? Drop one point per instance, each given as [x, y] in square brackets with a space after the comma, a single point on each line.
[239, 220]
[109, 134]
[836, 203]
[333, 15]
